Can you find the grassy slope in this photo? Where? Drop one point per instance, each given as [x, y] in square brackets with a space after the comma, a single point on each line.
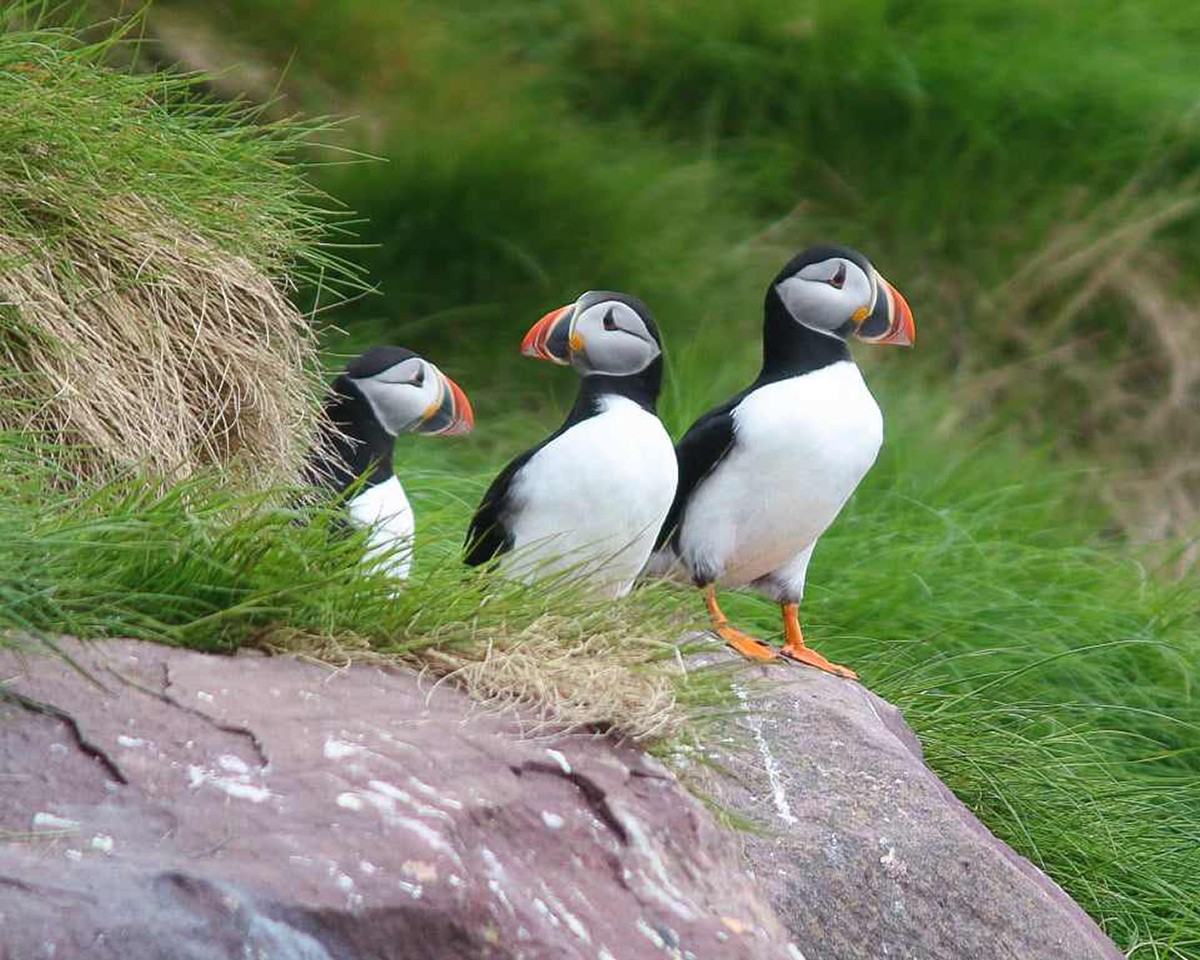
[1048, 674]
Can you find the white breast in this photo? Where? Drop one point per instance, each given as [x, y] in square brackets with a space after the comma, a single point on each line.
[384, 510]
[592, 500]
[802, 446]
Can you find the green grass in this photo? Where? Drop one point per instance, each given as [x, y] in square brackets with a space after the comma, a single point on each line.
[682, 151]
[80, 138]
[1024, 172]
[1050, 677]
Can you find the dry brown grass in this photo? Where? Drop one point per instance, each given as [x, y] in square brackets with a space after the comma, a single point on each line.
[568, 675]
[154, 350]
[564, 672]
[1105, 327]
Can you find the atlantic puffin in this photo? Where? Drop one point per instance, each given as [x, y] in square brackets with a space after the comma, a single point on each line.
[763, 475]
[588, 501]
[381, 394]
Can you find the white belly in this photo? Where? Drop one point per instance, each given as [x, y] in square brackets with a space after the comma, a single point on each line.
[591, 501]
[384, 510]
[802, 446]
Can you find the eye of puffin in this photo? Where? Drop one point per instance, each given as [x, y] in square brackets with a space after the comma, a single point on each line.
[610, 322]
[838, 280]
[418, 379]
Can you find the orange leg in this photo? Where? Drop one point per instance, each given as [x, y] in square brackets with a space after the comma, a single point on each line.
[794, 647]
[750, 647]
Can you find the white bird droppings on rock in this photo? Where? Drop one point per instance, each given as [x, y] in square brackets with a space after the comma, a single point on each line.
[770, 763]
[206, 697]
[49, 821]
[545, 911]
[233, 764]
[560, 759]
[75, 855]
[574, 924]
[395, 793]
[552, 820]
[365, 866]
[892, 865]
[130, 743]
[429, 835]
[434, 794]
[103, 843]
[242, 791]
[349, 801]
[414, 890]
[651, 934]
[237, 788]
[336, 749]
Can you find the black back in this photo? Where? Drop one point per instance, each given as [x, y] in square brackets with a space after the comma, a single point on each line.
[360, 445]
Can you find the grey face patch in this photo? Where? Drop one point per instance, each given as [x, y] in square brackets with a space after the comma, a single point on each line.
[401, 394]
[826, 296]
[612, 337]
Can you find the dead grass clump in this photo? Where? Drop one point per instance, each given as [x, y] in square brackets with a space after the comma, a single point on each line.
[570, 675]
[149, 238]
[563, 672]
[1106, 335]
[153, 349]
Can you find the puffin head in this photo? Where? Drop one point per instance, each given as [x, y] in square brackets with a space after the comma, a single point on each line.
[408, 394]
[836, 291]
[601, 332]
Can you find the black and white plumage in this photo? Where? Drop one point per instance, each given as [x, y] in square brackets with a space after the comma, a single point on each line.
[383, 393]
[763, 475]
[589, 499]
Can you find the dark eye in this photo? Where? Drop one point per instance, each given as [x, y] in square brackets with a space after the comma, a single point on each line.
[610, 322]
[838, 279]
[418, 379]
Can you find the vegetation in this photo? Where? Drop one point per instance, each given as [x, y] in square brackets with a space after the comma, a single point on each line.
[148, 240]
[1025, 174]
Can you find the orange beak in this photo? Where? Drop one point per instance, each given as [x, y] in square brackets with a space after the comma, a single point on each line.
[550, 338]
[453, 415]
[891, 321]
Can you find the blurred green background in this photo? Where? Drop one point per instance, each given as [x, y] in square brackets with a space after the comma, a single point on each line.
[1025, 172]
[1017, 573]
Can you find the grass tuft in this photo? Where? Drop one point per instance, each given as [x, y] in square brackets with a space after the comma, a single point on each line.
[149, 240]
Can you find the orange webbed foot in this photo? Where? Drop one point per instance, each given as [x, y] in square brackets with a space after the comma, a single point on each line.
[809, 657]
[795, 649]
[748, 646]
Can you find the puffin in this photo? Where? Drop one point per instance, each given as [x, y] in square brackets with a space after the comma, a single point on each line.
[764, 474]
[588, 501]
[381, 394]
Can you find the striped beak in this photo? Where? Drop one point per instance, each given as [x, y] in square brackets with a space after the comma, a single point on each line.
[550, 338]
[891, 321]
[451, 415]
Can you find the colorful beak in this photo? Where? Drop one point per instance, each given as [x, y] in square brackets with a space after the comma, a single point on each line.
[550, 338]
[891, 321]
[452, 414]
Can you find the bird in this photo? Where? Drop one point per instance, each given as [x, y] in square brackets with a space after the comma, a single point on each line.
[384, 392]
[587, 502]
[764, 474]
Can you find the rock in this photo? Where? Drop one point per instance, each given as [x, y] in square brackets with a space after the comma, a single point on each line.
[863, 851]
[183, 806]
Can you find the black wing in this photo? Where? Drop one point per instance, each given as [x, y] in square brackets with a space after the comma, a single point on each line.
[488, 536]
[707, 442]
